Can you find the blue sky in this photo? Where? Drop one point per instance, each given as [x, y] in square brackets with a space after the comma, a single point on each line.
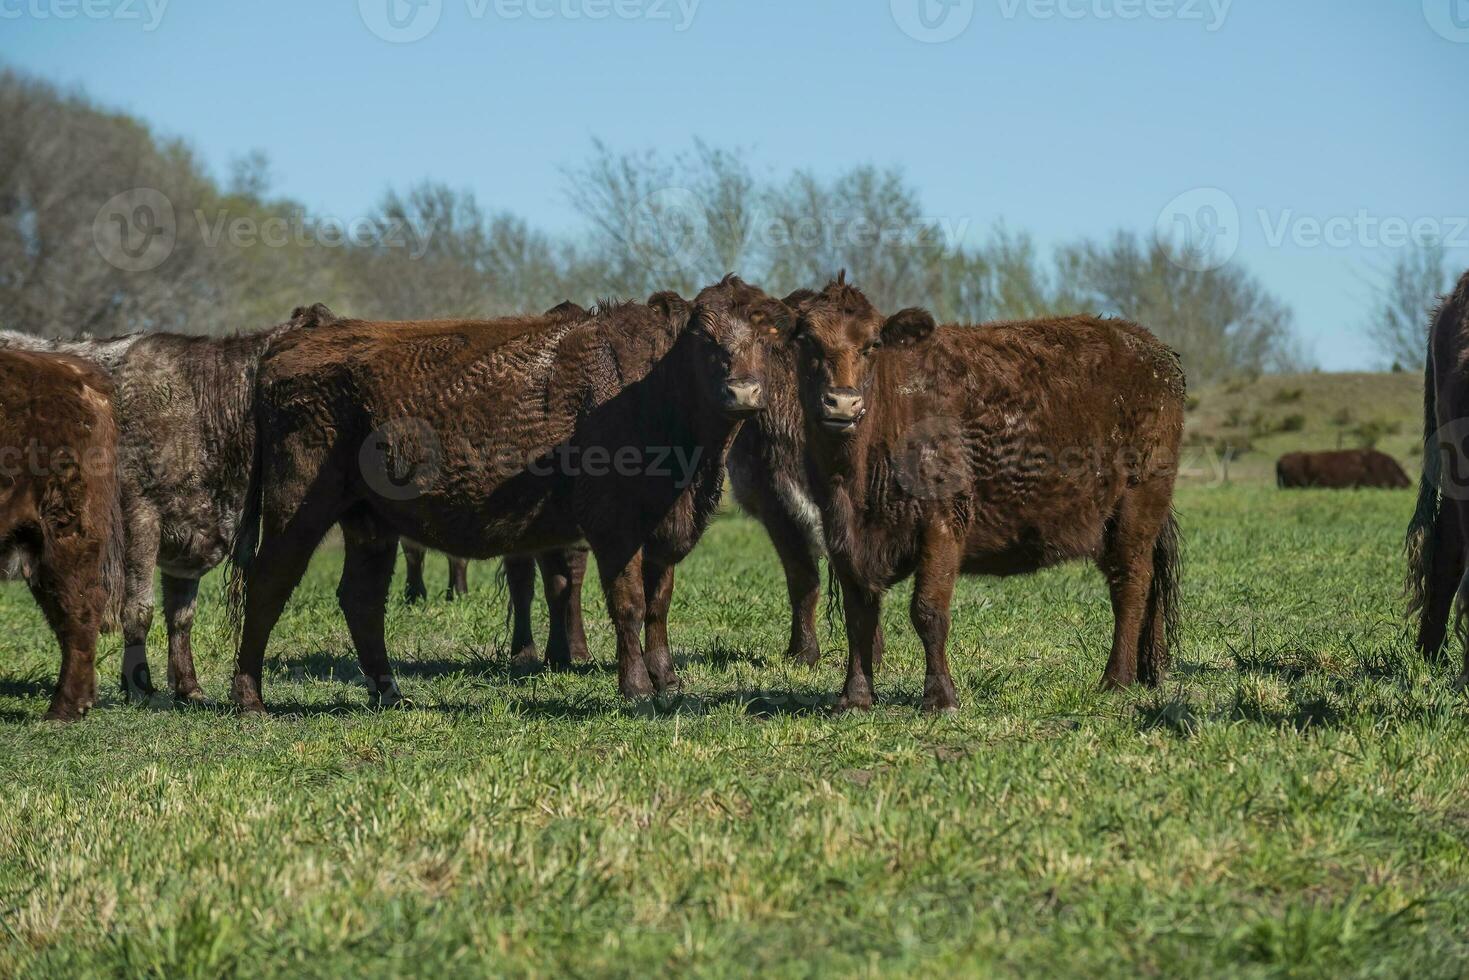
[1065, 118]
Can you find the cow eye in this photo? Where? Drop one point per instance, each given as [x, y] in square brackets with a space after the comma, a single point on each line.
[871, 348]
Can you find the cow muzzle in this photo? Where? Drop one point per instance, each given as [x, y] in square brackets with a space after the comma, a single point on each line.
[842, 409]
[743, 398]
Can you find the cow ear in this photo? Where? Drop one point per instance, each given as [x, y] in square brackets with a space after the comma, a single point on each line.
[908, 328]
[314, 315]
[773, 320]
[671, 305]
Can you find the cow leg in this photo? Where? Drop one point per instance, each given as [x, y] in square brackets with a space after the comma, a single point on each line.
[68, 587]
[414, 589]
[933, 594]
[140, 560]
[622, 581]
[274, 572]
[458, 578]
[563, 600]
[658, 593]
[576, 629]
[179, 596]
[367, 574]
[863, 611]
[1444, 580]
[1127, 562]
[520, 580]
[803, 586]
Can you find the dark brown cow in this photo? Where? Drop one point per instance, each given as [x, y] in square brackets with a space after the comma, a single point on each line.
[1346, 469]
[767, 471]
[1436, 536]
[512, 436]
[60, 510]
[994, 450]
[415, 589]
[562, 572]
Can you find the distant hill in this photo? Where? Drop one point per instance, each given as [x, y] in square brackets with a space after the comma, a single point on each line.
[1258, 421]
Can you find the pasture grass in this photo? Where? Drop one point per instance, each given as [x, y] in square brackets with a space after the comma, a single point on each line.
[1294, 802]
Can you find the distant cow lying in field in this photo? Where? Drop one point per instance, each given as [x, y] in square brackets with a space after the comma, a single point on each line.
[60, 520]
[1346, 469]
[487, 438]
[996, 450]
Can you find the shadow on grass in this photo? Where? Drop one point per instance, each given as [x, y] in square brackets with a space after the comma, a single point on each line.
[344, 668]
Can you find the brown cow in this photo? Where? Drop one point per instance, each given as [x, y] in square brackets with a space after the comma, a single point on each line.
[1436, 542]
[415, 589]
[1346, 469]
[60, 509]
[511, 436]
[995, 450]
[767, 471]
[562, 572]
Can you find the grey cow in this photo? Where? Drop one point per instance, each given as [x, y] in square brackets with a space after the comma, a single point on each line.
[186, 443]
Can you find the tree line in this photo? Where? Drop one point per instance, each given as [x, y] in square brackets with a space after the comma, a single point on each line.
[82, 251]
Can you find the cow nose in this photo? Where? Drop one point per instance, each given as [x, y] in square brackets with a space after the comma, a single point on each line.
[842, 408]
[744, 397]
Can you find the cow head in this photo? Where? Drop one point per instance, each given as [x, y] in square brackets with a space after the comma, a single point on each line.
[733, 325]
[837, 334]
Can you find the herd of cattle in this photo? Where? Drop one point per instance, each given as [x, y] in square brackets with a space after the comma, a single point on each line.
[890, 445]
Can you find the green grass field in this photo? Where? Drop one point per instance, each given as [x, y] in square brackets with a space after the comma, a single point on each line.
[1294, 802]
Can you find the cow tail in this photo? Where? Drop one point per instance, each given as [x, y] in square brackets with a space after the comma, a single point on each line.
[247, 533]
[114, 563]
[1422, 538]
[1161, 623]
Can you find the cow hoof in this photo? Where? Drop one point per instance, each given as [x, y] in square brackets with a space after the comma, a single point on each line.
[668, 684]
[139, 688]
[194, 698]
[525, 663]
[64, 714]
[246, 697]
[636, 688]
[414, 597]
[808, 654]
[847, 704]
[580, 655]
[939, 697]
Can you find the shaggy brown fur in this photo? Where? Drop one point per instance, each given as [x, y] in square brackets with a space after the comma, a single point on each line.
[562, 573]
[767, 471]
[59, 506]
[1347, 469]
[995, 450]
[1436, 542]
[183, 407]
[501, 437]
